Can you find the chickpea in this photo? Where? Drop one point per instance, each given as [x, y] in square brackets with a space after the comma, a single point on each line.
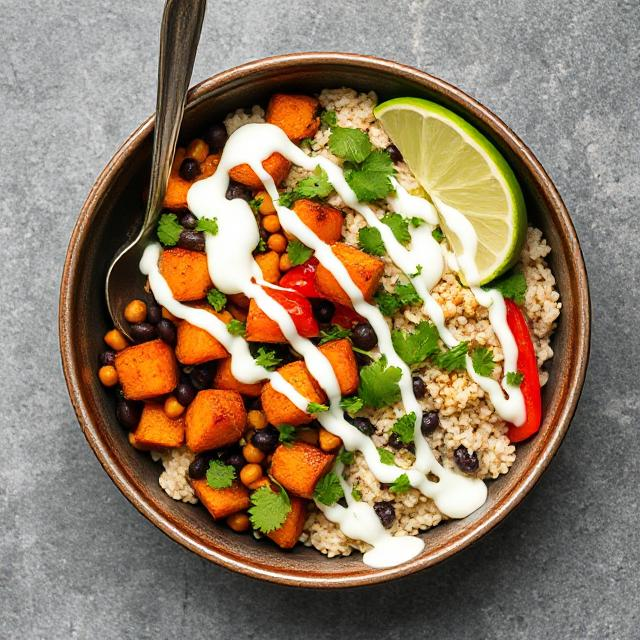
[271, 224]
[115, 340]
[239, 522]
[277, 242]
[173, 408]
[328, 442]
[285, 262]
[266, 206]
[198, 150]
[256, 419]
[250, 473]
[252, 453]
[262, 482]
[135, 312]
[108, 376]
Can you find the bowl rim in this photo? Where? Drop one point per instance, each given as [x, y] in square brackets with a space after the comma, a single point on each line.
[168, 524]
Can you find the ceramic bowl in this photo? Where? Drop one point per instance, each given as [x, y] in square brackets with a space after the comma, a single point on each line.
[114, 209]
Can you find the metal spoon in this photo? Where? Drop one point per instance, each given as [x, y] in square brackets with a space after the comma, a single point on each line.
[181, 25]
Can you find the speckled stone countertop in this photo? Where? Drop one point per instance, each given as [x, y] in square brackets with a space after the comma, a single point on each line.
[77, 560]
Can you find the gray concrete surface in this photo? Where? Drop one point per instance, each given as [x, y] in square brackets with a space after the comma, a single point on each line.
[77, 561]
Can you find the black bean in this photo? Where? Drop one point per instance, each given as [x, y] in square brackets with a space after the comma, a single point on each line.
[167, 331]
[236, 190]
[386, 512]
[199, 467]
[189, 169]
[184, 394]
[430, 422]
[395, 442]
[201, 377]
[466, 461]
[323, 310]
[107, 358]
[236, 460]
[128, 413]
[192, 240]
[363, 336]
[188, 220]
[154, 313]
[363, 359]
[266, 439]
[364, 425]
[215, 136]
[419, 387]
[143, 332]
[394, 152]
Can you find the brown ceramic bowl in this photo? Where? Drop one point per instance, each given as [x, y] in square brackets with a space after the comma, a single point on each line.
[114, 209]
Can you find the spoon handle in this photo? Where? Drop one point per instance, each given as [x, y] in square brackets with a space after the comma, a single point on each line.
[181, 25]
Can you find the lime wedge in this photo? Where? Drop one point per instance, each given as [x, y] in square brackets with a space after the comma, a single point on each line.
[469, 182]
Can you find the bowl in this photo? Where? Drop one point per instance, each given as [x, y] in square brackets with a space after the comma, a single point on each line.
[111, 214]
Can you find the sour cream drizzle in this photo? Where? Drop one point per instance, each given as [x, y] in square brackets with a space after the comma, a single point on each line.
[233, 270]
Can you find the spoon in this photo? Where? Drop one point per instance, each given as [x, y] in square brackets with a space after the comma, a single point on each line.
[181, 25]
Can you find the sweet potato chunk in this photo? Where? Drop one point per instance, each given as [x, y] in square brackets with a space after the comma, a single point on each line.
[269, 263]
[224, 380]
[156, 430]
[278, 408]
[147, 370]
[260, 327]
[340, 354]
[214, 418]
[186, 273]
[276, 165]
[221, 503]
[195, 345]
[287, 535]
[365, 271]
[323, 219]
[175, 196]
[299, 466]
[296, 115]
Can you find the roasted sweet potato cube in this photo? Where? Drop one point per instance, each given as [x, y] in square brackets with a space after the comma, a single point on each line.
[186, 273]
[276, 165]
[278, 408]
[195, 345]
[156, 430]
[221, 503]
[340, 354]
[365, 271]
[287, 535]
[175, 196]
[299, 466]
[260, 327]
[270, 264]
[323, 219]
[296, 115]
[147, 370]
[214, 419]
[224, 380]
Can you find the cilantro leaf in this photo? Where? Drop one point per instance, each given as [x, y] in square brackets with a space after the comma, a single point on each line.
[262, 246]
[370, 240]
[346, 457]
[316, 407]
[216, 299]
[267, 358]
[316, 185]
[169, 229]
[515, 378]
[437, 234]
[379, 384]
[328, 490]
[403, 428]
[416, 222]
[305, 143]
[335, 332]
[482, 360]
[236, 327]
[286, 199]
[417, 346]
[417, 272]
[329, 118]
[352, 145]
[513, 286]
[220, 475]
[351, 405]
[356, 494]
[454, 358]
[255, 203]
[386, 457]
[269, 509]
[298, 253]
[210, 225]
[287, 433]
[399, 225]
[389, 303]
[401, 484]
[407, 294]
[370, 181]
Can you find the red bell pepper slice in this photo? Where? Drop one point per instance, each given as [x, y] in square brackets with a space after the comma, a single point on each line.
[345, 317]
[302, 279]
[299, 308]
[528, 366]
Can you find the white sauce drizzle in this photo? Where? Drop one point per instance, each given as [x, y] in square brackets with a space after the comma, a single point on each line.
[233, 270]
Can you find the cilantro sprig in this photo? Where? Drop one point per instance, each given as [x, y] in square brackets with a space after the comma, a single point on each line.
[220, 475]
[315, 185]
[379, 384]
[403, 428]
[236, 327]
[169, 229]
[316, 407]
[328, 490]
[399, 225]
[401, 484]
[386, 457]
[286, 433]
[482, 361]
[515, 378]
[390, 302]
[217, 299]
[511, 285]
[370, 240]
[352, 405]
[298, 253]
[269, 509]
[267, 358]
[209, 225]
[346, 457]
[453, 359]
[334, 332]
[416, 347]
